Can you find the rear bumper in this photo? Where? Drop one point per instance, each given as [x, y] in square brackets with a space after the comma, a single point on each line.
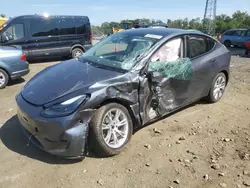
[19, 74]
[64, 136]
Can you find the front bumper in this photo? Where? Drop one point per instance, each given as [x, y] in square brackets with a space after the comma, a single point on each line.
[63, 136]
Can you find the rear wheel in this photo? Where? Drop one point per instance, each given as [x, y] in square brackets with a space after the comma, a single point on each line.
[227, 43]
[218, 88]
[110, 130]
[77, 52]
[4, 78]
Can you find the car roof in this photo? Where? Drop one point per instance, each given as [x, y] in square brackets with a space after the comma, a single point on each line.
[160, 31]
[237, 29]
[41, 16]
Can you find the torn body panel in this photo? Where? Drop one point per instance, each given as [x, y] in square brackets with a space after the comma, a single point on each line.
[167, 87]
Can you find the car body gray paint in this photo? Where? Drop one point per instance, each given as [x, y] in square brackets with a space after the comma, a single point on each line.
[133, 88]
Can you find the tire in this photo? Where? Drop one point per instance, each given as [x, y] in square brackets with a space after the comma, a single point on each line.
[227, 43]
[4, 78]
[215, 98]
[77, 52]
[97, 134]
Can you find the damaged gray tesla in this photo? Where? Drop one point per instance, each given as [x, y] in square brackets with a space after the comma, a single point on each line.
[122, 83]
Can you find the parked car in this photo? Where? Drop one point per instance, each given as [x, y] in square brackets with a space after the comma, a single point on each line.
[125, 81]
[235, 37]
[13, 64]
[50, 36]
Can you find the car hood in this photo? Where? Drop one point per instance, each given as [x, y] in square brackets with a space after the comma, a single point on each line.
[64, 78]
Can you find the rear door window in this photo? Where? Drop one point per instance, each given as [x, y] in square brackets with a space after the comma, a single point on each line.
[248, 33]
[43, 27]
[241, 32]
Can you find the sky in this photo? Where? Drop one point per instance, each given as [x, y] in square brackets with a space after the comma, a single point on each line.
[100, 11]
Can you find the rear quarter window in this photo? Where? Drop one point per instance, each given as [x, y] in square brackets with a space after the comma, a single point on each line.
[200, 45]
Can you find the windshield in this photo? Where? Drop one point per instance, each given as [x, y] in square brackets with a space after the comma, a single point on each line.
[120, 51]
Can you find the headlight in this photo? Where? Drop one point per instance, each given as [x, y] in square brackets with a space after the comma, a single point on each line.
[65, 108]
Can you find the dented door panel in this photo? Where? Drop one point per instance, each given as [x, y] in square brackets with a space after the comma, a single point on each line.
[171, 85]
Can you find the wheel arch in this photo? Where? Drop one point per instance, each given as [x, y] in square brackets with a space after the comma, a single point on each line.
[77, 46]
[226, 74]
[126, 104]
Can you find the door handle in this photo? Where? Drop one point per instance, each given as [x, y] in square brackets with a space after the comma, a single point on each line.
[213, 61]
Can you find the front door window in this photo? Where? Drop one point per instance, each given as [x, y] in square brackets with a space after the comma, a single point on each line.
[171, 74]
[13, 33]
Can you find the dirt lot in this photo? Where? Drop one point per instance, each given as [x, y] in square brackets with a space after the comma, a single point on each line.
[204, 145]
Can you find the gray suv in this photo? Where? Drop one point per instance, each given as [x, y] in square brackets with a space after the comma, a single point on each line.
[13, 64]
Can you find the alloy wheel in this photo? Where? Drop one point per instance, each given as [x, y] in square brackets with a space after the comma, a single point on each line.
[115, 128]
[78, 53]
[219, 87]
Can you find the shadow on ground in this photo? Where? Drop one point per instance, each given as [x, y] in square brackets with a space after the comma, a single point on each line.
[15, 82]
[14, 139]
[202, 101]
[47, 60]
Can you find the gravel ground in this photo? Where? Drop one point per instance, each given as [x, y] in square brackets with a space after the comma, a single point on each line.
[203, 145]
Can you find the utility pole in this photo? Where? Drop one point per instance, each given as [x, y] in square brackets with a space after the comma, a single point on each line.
[210, 17]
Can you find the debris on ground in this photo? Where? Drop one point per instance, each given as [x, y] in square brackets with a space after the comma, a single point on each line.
[215, 166]
[222, 185]
[157, 131]
[147, 146]
[182, 138]
[226, 139]
[245, 172]
[206, 177]
[100, 182]
[176, 181]
[178, 142]
[221, 174]
[246, 183]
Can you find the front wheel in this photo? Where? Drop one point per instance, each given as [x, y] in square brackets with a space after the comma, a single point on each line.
[218, 88]
[111, 129]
